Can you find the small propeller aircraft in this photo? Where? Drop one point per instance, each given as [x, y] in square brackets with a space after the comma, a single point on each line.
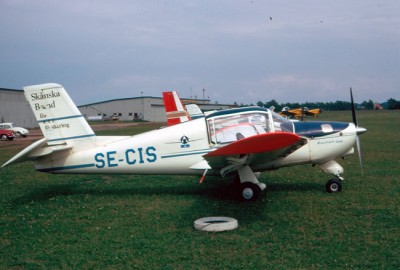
[240, 142]
[299, 113]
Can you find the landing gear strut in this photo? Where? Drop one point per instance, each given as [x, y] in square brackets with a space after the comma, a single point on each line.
[249, 188]
[333, 185]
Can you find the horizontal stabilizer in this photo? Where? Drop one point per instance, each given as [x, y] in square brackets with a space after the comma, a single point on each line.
[36, 150]
[24, 154]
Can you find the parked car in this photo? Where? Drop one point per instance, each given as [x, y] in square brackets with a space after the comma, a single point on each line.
[19, 131]
[7, 135]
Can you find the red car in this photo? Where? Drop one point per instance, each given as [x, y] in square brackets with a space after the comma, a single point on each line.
[6, 134]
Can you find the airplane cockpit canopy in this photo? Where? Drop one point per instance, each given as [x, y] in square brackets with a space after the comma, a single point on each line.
[235, 124]
[281, 124]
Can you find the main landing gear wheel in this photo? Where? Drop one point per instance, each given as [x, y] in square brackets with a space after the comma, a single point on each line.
[249, 191]
[334, 186]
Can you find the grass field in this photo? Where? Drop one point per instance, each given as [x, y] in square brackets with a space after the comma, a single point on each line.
[146, 222]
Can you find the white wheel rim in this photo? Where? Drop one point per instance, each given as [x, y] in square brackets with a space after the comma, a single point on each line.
[215, 224]
[247, 193]
[334, 187]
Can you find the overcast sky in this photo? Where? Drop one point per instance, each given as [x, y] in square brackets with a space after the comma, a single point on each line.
[238, 51]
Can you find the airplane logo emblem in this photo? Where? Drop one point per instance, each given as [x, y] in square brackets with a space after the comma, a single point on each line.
[185, 142]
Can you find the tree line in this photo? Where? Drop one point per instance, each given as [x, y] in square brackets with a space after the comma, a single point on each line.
[391, 104]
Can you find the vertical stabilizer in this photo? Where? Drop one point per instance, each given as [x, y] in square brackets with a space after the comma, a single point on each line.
[194, 111]
[176, 113]
[57, 115]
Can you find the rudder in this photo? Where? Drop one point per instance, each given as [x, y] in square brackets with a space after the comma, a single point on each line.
[174, 109]
[58, 117]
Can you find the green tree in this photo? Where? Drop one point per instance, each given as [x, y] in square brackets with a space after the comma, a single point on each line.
[393, 104]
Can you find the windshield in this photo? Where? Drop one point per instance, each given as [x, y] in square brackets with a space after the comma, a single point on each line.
[229, 128]
[282, 124]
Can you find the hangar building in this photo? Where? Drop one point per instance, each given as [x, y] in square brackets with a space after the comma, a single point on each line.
[144, 108]
[14, 108]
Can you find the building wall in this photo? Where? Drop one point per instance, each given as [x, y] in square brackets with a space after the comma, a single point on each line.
[141, 108]
[146, 108]
[14, 108]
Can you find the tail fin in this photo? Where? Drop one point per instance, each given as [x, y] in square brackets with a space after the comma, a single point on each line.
[57, 115]
[173, 107]
[194, 111]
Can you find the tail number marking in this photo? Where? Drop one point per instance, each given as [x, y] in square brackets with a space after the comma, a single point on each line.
[131, 156]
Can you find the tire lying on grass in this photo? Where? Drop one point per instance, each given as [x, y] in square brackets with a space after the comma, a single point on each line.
[215, 224]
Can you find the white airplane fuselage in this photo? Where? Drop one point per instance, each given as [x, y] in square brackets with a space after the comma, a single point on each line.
[162, 151]
[238, 141]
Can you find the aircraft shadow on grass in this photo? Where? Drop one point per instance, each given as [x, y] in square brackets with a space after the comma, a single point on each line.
[215, 189]
[213, 198]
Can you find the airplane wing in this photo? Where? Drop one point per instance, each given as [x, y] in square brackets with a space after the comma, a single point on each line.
[313, 112]
[253, 150]
[290, 112]
[299, 112]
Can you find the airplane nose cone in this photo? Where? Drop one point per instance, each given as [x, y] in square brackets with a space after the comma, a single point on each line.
[360, 130]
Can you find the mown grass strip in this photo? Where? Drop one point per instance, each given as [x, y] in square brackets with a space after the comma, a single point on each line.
[146, 222]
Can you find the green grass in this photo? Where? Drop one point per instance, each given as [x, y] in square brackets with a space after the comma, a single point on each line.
[124, 222]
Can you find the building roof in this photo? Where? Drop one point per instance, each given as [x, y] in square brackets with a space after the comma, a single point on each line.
[184, 100]
[13, 90]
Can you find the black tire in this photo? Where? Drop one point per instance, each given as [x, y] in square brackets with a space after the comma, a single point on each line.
[18, 135]
[334, 186]
[248, 192]
[4, 137]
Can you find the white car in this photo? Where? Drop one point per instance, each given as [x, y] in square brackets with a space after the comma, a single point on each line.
[19, 131]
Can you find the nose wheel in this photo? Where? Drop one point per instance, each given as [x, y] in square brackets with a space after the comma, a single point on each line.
[334, 186]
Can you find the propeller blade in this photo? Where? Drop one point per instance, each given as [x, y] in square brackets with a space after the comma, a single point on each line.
[353, 108]
[353, 111]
